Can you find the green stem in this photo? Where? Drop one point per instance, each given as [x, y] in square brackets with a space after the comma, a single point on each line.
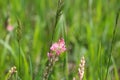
[19, 55]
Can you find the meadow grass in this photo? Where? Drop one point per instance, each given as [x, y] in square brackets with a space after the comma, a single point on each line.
[86, 26]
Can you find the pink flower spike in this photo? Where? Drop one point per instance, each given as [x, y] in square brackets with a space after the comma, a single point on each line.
[58, 47]
[9, 28]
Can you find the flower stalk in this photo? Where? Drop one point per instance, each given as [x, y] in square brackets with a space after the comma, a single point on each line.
[11, 72]
[81, 68]
[55, 50]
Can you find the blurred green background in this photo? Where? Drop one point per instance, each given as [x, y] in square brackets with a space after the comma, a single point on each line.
[86, 25]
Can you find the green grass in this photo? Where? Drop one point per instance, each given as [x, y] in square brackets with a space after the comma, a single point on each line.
[87, 27]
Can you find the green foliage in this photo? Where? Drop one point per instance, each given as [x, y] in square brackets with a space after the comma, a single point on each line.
[87, 27]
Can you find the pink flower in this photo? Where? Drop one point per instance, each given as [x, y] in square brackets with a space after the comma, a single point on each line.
[58, 47]
[9, 28]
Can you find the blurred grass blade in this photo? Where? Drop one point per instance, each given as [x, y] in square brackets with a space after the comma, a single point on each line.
[111, 44]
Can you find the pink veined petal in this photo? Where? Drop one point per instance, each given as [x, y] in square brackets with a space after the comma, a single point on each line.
[61, 41]
[58, 52]
[54, 47]
[64, 49]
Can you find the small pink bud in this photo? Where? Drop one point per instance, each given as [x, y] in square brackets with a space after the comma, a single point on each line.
[49, 55]
[9, 28]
